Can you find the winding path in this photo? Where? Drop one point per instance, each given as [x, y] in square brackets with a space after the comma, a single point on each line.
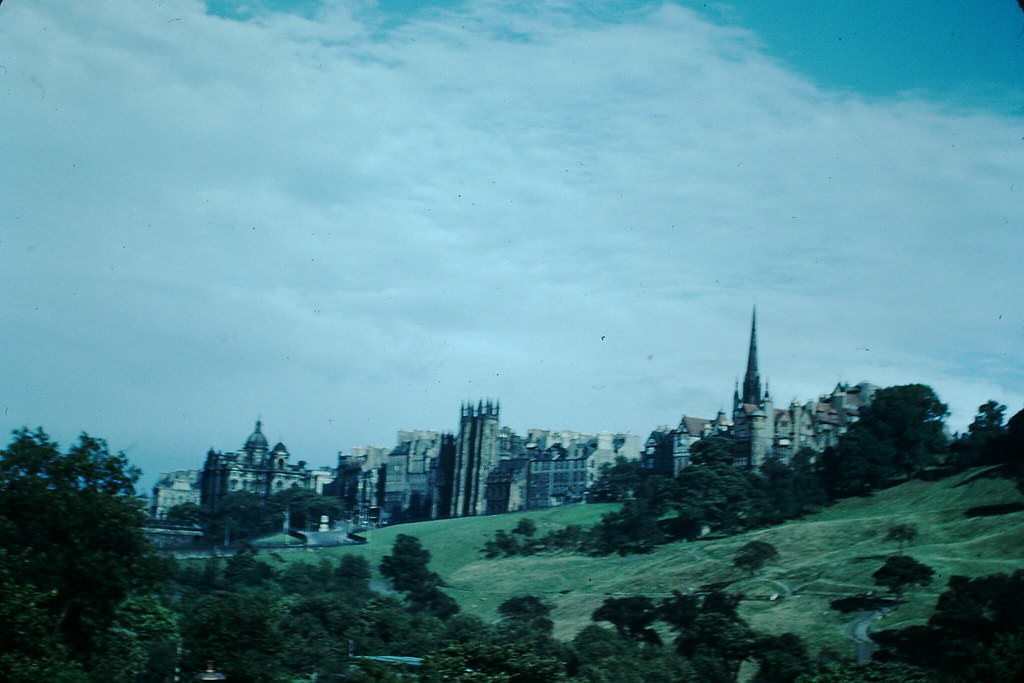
[857, 631]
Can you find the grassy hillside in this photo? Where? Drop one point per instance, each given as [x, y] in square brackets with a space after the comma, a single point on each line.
[827, 555]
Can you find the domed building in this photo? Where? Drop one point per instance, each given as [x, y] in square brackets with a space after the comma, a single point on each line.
[255, 467]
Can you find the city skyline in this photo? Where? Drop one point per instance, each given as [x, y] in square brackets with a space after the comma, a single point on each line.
[348, 218]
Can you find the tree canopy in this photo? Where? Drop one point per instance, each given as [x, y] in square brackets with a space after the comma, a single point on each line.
[900, 434]
[71, 528]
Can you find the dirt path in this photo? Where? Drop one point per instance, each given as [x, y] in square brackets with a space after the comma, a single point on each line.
[857, 631]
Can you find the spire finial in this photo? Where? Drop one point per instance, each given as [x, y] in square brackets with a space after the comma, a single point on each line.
[752, 380]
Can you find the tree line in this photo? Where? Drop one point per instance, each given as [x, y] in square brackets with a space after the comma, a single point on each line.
[901, 435]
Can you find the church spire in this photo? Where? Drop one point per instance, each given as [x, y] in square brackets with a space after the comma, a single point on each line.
[752, 380]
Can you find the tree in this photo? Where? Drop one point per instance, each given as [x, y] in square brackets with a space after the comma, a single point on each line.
[140, 646]
[720, 495]
[304, 507]
[77, 528]
[526, 617]
[30, 652]
[898, 435]
[973, 625]
[616, 482]
[186, 513]
[901, 533]
[239, 632]
[632, 529]
[406, 566]
[240, 516]
[710, 632]
[983, 436]
[631, 616]
[486, 663]
[525, 527]
[754, 555]
[781, 659]
[713, 451]
[900, 571]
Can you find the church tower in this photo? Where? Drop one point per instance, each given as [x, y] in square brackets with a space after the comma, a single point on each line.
[476, 456]
[753, 412]
[752, 379]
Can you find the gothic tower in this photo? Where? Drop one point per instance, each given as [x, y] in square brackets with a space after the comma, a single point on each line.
[752, 380]
[476, 455]
[753, 412]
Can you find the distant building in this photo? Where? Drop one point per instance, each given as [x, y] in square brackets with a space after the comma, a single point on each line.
[174, 488]
[758, 429]
[256, 468]
[762, 430]
[484, 468]
[476, 456]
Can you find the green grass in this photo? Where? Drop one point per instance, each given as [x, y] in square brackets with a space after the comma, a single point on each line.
[827, 555]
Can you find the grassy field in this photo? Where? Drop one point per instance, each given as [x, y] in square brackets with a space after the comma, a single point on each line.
[824, 556]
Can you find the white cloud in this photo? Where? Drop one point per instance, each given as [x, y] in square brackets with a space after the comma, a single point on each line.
[349, 229]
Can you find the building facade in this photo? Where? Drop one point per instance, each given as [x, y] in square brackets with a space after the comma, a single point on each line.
[255, 468]
[174, 488]
[758, 429]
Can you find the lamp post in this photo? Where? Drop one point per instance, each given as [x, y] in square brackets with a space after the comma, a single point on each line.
[210, 674]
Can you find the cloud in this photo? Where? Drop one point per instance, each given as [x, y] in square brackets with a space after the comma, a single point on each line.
[348, 225]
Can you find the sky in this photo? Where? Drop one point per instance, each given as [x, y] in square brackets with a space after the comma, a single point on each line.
[347, 218]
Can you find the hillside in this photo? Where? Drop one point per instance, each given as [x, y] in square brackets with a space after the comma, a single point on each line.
[827, 555]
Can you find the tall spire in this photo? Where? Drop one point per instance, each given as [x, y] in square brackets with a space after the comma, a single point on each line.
[752, 380]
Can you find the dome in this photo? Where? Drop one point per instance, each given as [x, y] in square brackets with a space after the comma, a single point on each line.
[256, 440]
[280, 448]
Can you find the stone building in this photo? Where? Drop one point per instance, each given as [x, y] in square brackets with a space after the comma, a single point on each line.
[174, 488]
[256, 468]
[758, 429]
[484, 468]
[476, 456]
[761, 430]
[410, 481]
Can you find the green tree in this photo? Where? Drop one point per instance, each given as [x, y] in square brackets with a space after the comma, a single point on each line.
[240, 632]
[303, 507]
[406, 566]
[525, 527]
[900, 571]
[781, 659]
[139, 647]
[616, 482]
[30, 652]
[77, 528]
[631, 616]
[526, 615]
[710, 632]
[186, 513]
[754, 555]
[720, 495]
[714, 451]
[901, 533]
[972, 626]
[603, 656]
[983, 437]
[630, 530]
[241, 516]
[898, 435]
[486, 663]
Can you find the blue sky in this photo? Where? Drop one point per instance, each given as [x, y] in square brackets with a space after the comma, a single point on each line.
[347, 218]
